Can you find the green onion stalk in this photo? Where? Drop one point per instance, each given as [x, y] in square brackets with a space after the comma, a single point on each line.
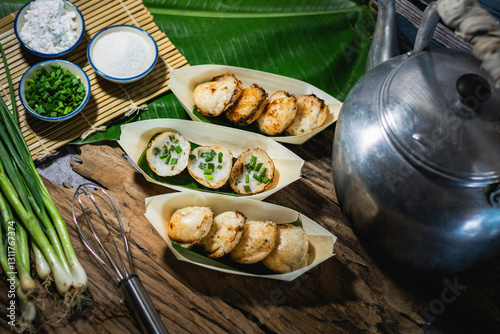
[62, 278]
[22, 256]
[42, 266]
[26, 303]
[30, 199]
[20, 244]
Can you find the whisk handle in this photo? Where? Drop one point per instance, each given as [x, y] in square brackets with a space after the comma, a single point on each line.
[140, 306]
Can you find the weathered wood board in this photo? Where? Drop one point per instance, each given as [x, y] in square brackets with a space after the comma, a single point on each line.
[349, 293]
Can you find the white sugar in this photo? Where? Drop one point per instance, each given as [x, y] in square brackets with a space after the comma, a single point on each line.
[122, 54]
[49, 27]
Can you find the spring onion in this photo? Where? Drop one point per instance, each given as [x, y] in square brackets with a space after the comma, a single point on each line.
[30, 201]
[42, 266]
[54, 92]
[220, 156]
[26, 302]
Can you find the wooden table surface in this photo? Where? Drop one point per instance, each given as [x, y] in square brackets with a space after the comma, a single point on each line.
[353, 292]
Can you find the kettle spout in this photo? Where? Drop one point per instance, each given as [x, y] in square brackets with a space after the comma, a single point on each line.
[384, 44]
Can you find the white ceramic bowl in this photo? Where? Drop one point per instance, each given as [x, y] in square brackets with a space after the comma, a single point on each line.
[20, 20]
[115, 53]
[66, 65]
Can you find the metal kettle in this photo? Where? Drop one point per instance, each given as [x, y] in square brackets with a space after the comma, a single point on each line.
[416, 153]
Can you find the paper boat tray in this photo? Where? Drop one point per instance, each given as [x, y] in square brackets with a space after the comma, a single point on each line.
[160, 208]
[135, 137]
[184, 81]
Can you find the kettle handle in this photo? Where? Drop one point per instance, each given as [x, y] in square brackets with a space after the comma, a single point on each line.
[430, 20]
[477, 27]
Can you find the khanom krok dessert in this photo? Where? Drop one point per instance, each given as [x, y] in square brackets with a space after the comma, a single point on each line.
[281, 114]
[282, 248]
[169, 153]
[210, 165]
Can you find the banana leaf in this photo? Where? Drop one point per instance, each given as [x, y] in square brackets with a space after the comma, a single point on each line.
[324, 43]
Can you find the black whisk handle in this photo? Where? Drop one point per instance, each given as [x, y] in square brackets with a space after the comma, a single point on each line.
[140, 306]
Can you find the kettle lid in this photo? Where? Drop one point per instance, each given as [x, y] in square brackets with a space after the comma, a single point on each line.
[442, 112]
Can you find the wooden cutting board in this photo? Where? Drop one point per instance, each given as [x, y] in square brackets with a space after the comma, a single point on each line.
[349, 293]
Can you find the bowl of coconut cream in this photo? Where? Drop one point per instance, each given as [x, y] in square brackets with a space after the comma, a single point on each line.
[122, 53]
[49, 28]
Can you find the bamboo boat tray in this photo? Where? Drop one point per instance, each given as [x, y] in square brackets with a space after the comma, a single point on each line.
[108, 100]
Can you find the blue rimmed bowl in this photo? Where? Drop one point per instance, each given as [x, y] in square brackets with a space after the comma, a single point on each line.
[66, 65]
[110, 47]
[20, 21]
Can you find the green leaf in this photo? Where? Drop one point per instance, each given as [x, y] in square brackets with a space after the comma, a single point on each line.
[8, 7]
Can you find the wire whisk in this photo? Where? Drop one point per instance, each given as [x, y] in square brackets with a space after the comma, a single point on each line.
[97, 205]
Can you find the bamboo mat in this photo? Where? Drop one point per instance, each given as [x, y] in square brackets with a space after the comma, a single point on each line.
[108, 100]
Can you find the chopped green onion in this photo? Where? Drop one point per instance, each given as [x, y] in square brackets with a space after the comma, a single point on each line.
[208, 154]
[178, 149]
[266, 180]
[208, 171]
[168, 159]
[202, 165]
[258, 166]
[257, 177]
[220, 156]
[247, 178]
[219, 166]
[263, 172]
[247, 189]
[209, 158]
[209, 177]
[174, 161]
[164, 155]
[48, 89]
[192, 157]
[253, 161]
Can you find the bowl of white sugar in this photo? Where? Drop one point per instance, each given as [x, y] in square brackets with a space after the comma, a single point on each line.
[49, 28]
[122, 53]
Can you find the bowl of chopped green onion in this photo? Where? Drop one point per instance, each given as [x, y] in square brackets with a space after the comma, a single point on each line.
[54, 90]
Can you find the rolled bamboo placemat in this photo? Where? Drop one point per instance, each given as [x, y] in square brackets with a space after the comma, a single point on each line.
[108, 100]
